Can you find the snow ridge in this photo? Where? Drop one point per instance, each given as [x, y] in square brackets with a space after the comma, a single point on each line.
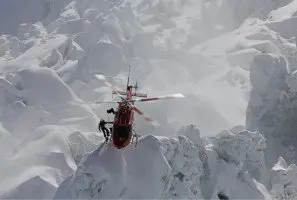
[172, 167]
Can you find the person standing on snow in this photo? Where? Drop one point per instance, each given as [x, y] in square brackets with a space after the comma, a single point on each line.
[102, 127]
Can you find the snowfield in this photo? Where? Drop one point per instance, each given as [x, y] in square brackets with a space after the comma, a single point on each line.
[231, 137]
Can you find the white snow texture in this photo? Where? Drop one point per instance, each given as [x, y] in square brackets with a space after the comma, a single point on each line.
[232, 137]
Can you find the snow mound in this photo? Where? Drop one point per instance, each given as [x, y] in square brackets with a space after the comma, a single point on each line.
[159, 168]
[173, 167]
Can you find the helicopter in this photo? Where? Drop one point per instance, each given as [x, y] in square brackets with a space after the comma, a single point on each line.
[122, 133]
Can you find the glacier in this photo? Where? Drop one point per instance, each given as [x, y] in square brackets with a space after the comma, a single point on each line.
[232, 137]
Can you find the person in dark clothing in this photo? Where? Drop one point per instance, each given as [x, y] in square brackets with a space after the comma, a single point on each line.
[102, 127]
[111, 111]
[222, 196]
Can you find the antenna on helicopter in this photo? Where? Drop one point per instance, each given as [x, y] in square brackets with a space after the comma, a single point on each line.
[128, 76]
[136, 86]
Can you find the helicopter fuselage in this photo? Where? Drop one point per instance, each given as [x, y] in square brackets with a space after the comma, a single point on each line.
[123, 124]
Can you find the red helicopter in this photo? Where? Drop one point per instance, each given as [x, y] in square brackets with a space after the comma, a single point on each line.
[122, 133]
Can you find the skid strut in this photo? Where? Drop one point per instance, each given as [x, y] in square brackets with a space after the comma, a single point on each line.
[135, 138]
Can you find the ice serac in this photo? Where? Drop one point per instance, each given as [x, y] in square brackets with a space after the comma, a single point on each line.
[183, 158]
[283, 180]
[174, 167]
[243, 150]
[193, 134]
[272, 109]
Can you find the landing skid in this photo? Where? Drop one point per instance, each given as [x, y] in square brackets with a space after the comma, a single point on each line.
[108, 141]
[135, 137]
[134, 140]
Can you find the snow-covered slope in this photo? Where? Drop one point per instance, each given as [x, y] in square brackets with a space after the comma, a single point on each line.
[14, 12]
[171, 168]
[214, 52]
[36, 121]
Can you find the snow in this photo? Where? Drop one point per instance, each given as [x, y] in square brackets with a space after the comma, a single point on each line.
[23, 12]
[283, 180]
[284, 12]
[291, 80]
[232, 134]
[34, 122]
[164, 167]
[126, 178]
[271, 106]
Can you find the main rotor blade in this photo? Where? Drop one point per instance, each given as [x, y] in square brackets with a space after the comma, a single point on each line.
[98, 102]
[95, 102]
[147, 118]
[171, 96]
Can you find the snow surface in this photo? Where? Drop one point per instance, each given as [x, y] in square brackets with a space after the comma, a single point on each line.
[233, 134]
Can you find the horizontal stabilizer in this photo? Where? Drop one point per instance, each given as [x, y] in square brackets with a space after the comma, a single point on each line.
[133, 94]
